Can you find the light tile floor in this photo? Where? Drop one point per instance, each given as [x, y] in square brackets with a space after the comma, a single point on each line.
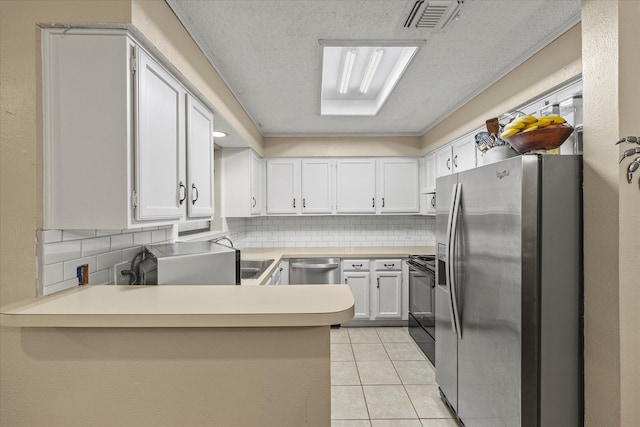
[380, 378]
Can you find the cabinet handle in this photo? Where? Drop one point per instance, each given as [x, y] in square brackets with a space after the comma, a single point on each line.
[356, 265]
[195, 190]
[183, 192]
[294, 202]
[378, 282]
[433, 201]
[383, 202]
[389, 265]
[455, 160]
[254, 202]
[373, 202]
[304, 203]
[448, 163]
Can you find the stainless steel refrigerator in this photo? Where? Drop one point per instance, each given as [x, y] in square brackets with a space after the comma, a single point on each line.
[509, 292]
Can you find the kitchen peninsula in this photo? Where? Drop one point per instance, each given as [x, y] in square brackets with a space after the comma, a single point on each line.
[209, 355]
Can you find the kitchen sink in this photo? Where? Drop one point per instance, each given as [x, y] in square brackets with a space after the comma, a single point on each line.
[251, 269]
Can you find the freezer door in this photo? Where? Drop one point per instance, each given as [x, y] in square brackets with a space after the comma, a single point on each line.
[446, 339]
[487, 268]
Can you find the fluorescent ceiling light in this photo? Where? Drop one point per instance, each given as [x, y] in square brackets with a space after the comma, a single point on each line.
[349, 59]
[218, 134]
[358, 77]
[372, 67]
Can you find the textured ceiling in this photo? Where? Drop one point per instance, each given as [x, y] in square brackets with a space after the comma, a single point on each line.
[268, 53]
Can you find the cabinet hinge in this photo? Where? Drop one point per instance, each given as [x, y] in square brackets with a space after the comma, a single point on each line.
[134, 199]
[134, 66]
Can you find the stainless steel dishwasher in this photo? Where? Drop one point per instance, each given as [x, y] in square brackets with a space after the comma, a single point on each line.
[314, 271]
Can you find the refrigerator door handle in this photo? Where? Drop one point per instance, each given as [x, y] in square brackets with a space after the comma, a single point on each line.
[452, 257]
[447, 272]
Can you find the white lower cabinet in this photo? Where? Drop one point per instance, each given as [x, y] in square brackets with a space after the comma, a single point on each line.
[359, 282]
[377, 287]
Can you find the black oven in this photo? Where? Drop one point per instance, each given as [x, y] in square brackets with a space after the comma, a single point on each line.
[422, 304]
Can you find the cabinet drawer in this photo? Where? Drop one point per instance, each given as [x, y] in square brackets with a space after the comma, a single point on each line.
[387, 264]
[355, 265]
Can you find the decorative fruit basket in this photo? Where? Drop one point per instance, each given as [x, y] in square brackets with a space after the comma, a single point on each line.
[528, 133]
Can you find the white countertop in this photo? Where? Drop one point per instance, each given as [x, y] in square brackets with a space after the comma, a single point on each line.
[278, 254]
[185, 306]
[248, 305]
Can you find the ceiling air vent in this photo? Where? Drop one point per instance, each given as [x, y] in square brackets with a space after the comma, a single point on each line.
[432, 14]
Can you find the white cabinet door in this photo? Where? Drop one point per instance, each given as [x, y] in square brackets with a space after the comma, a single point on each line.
[283, 176]
[356, 186]
[429, 185]
[399, 186]
[257, 184]
[464, 154]
[159, 143]
[387, 299]
[429, 203]
[444, 165]
[359, 283]
[317, 186]
[242, 187]
[199, 159]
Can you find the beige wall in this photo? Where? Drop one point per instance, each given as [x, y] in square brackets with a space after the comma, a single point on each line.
[159, 25]
[611, 205]
[611, 213]
[552, 66]
[342, 146]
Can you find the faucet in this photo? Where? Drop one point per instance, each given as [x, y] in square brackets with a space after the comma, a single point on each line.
[217, 240]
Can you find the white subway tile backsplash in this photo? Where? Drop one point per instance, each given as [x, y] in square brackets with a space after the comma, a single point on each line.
[158, 236]
[400, 230]
[95, 246]
[142, 238]
[60, 286]
[52, 273]
[61, 251]
[128, 254]
[100, 233]
[108, 260]
[102, 277]
[78, 234]
[50, 236]
[121, 241]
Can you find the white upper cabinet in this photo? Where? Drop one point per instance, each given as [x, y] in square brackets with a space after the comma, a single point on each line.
[356, 186]
[243, 182]
[317, 180]
[199, 159]
[160, 141]
[115, 136]
[428, 174]
[457, 156]
[257, 184]
[443, 161]
[399, 186]
[464, 153]
[283, 189]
